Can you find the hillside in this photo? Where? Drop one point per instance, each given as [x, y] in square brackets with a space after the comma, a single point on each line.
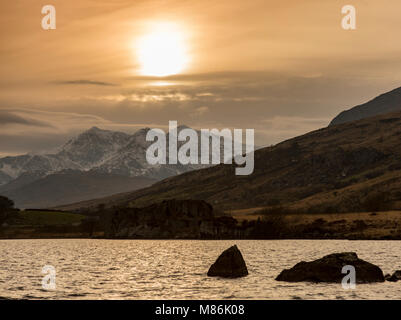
[71, 186]
[385, 103]
[342, 168]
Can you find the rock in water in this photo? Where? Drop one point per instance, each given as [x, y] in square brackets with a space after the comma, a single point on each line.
[329, 269]
[394, 277]
[230, 264]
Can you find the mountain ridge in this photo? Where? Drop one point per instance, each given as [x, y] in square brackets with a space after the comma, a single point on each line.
[68, 186]
[384, 103]
[109, 154]
[333, 168]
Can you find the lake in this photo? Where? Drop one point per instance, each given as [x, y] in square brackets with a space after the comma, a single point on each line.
[176, 269]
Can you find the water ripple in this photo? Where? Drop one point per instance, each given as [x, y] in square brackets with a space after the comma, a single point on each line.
[176, 269]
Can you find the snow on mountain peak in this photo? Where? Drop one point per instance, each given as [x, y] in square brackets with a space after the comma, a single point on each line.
[95, 149]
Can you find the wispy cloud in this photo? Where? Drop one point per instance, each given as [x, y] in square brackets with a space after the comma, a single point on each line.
[84, 82]
[29, 130]
[10, 118]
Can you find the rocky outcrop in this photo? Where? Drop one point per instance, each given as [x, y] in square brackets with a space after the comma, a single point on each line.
[172, 219]
[230, 264]
[329, 269]
[394, 277]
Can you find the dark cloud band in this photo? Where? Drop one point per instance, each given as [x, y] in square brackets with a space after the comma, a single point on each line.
[85, 82]
[10, 118]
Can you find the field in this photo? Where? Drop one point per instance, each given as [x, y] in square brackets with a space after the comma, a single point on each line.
[44, 224]
[355, 225]
[45, 218]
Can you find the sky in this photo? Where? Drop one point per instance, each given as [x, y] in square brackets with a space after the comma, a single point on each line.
[282, 68]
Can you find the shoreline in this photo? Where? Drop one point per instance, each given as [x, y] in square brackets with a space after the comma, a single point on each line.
[197, 239]
[248, 225]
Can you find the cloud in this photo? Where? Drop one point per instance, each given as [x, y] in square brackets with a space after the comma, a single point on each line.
[25, 130]
[277, 106]
[280, 128]
[294, 124]
[51, 120]
[84, 82]
[200, 111]
[9, 118]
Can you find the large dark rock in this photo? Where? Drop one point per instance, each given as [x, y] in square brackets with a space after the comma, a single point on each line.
[230, 264]
[328, 269]
[168, 219]
[394, 277]
[171, 219]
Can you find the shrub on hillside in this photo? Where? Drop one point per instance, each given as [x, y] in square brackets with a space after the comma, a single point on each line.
[271, 226]
[376, 202]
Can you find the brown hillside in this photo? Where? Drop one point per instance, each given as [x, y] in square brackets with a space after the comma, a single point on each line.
[346, 167]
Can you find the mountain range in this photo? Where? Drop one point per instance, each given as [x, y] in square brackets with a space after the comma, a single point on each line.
[96, 163]
[340, 168]
[95, 149]
[334, 168]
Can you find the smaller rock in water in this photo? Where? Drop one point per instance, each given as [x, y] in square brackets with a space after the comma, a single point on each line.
[329, 269]
[394, 277]
[230, 264]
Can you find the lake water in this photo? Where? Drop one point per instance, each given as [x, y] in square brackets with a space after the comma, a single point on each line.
[176, 269]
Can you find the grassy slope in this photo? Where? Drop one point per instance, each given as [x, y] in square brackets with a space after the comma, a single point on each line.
[44, 225]
[45, 218]
[354, 225]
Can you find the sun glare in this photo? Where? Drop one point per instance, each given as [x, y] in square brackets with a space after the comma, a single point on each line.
[162, 52]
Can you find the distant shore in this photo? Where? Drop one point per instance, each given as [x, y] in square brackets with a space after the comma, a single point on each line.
[346, 226]
[385, 225]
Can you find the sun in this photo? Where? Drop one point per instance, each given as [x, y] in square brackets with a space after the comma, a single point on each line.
[162, 52]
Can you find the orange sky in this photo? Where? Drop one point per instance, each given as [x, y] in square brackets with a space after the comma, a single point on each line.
[281, 67]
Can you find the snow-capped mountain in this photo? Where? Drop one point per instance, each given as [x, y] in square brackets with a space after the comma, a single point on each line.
[102, 151]
[93, 147]
[12, 167]
[130, 160]
[81, 153]
[95, 163]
